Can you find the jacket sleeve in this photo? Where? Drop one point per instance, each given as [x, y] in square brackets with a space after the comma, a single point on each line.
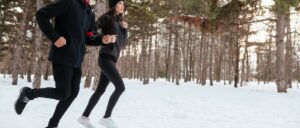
[126, 35]
[93, 37]
[43, 16]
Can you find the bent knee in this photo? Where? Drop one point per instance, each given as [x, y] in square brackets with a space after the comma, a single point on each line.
[63, 95]
[120, 89]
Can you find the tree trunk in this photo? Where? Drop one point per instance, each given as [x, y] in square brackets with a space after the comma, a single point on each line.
[96, 78]
[149, 62]
[192, 56]
[258, 68]
[200, 59]
[136, 64]
[204, 60]
[237, 59]
[19, 44]
[168, 55]
[100, 7]
[126, 64]
[38, 53]
[224, 65]
[185, 52]
[298, 74]
[144, 61]
[280, 47]
[219, 51]
[269, 69]
[176, 61]
[48, 65]
[88, 80]
[87, 68]
[288, 56]
[245, 57]
[29, 69]
[1, 28]
[156, 58]
[212, 43]
[247, 67]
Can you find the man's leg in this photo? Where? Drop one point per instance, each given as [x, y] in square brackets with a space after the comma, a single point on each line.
[63, 105]
[62, 76]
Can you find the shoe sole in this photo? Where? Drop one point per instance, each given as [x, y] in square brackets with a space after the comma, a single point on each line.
[78, 120]
[20, 92]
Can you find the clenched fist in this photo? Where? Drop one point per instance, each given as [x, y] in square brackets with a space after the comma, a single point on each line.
[107, 39]
[60, 42]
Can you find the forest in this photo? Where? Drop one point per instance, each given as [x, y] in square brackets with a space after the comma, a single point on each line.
[206, 41]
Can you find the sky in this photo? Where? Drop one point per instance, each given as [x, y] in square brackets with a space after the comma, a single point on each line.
[261, 28]
[267, 2]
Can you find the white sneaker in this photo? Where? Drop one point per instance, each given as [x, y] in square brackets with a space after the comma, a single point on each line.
[85, 121]
[107, 122]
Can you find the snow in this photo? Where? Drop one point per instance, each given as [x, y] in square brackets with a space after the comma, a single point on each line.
[164, 105]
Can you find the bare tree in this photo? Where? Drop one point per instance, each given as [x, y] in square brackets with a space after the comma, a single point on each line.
[17, 60]
[280, 47]
[38, 53]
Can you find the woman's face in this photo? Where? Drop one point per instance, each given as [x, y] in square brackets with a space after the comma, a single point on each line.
[119, 7]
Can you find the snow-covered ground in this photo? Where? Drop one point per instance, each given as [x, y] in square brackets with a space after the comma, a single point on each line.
[164, 105]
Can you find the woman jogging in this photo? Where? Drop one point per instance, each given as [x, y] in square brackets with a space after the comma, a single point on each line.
[111, 23]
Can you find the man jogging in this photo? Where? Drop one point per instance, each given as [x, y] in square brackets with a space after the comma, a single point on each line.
[74, 25]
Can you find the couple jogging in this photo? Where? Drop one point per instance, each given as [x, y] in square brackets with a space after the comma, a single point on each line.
[75, 27]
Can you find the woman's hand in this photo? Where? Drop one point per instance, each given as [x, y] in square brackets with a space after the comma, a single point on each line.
[124, 24]
[107, 39]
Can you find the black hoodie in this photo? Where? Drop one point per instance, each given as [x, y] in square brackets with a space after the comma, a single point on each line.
[73, 20]
[110, 24]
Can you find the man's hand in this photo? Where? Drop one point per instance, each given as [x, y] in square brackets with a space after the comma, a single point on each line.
[107, 39]
[60, 42]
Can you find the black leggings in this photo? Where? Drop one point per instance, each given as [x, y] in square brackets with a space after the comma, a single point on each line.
[67, 81]
[109, 73]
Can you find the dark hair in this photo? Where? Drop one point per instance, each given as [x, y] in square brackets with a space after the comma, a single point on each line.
[108, 25]
[109, 17]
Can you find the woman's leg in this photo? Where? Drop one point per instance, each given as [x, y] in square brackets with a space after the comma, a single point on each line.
[109, 69]
[102, 85]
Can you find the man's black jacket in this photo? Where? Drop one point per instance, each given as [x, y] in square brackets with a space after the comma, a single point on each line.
[74, 21]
